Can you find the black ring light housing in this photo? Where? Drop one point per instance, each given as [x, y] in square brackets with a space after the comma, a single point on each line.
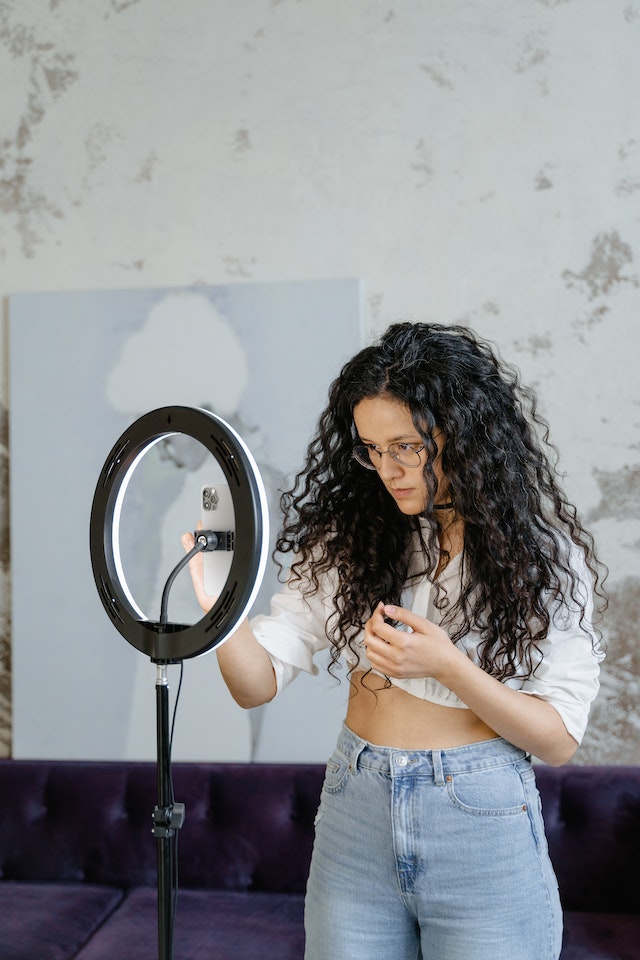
[170, 642]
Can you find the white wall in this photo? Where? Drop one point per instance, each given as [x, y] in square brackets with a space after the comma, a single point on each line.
[467, 161]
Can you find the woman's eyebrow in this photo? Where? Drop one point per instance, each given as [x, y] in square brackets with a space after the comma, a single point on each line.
[403, 438]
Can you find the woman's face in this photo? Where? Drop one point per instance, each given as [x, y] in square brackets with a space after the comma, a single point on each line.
[383, 420]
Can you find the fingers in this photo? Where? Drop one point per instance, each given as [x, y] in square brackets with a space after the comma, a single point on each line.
[387, 618]
[188, 541]
[390, 646]
[196, 569]
[378, 628]
[402, 618]
[378, 642]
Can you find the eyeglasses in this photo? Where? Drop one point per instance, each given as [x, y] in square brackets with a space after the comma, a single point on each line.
[406, 454]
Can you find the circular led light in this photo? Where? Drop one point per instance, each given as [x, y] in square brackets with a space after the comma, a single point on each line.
[170, 642]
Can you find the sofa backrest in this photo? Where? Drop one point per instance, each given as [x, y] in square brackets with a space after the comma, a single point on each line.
[250, 826]
[592, 820]
[247, 826]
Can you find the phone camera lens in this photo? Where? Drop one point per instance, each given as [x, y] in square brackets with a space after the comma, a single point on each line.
[209, 498]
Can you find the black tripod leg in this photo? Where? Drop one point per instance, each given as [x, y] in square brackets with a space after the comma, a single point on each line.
[168, 817]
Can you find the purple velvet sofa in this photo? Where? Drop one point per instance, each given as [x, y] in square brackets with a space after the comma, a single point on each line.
[78, 860]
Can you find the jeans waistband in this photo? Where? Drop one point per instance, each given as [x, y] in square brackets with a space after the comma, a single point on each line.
[433, 763]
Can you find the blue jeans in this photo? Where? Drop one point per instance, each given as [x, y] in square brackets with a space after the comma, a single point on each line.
[431, 855]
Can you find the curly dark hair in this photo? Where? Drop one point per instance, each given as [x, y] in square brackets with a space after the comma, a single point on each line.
[502, 481]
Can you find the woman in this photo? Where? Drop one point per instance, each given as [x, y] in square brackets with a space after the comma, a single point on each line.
[433, 551]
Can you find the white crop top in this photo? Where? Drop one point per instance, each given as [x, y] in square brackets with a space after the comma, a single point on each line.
[567, 669]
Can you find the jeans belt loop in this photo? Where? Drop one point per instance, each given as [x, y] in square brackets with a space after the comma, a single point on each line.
[438, 772]
[355, 756]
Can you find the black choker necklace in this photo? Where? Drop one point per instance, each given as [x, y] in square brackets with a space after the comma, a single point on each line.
[443, 506]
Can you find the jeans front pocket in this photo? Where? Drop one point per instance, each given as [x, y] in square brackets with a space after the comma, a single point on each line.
[335, 777]
[495, 791]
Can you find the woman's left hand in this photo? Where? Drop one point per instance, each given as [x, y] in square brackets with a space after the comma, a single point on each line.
[423, 651]
[427, 651]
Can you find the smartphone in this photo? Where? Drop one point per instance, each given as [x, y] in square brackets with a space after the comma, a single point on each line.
[217, 514]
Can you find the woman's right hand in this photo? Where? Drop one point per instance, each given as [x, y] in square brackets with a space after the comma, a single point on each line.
[196, 569]
[245, 664]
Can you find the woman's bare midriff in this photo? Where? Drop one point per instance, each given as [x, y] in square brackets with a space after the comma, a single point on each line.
[391, 717]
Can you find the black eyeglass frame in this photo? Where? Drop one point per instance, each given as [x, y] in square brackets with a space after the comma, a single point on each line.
[362, 452]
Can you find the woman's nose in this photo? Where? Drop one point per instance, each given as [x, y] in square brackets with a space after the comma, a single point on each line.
[390, 468]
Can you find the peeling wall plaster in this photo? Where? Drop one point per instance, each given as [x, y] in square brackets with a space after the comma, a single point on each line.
[609, 257]
[47, 74]
[5, 614]
[615, 727]
[620, 494]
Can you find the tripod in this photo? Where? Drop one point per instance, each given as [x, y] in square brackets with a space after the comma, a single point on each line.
[170, 643]
[168, 817]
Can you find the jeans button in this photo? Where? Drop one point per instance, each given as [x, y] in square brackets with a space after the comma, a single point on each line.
[402, 761]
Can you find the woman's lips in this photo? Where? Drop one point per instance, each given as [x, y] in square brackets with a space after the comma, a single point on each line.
[401, 492]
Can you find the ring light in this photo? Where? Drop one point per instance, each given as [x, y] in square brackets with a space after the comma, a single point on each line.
[169, 642]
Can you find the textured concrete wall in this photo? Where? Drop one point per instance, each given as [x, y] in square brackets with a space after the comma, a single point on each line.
[477, 162]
